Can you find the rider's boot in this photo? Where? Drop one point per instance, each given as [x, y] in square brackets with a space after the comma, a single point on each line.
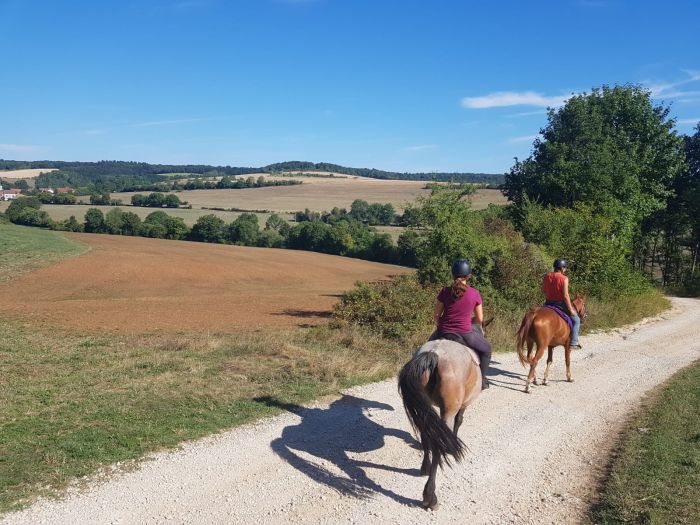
[484, 360]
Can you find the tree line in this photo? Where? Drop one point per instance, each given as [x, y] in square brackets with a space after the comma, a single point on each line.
[114, 176]
[338, 232]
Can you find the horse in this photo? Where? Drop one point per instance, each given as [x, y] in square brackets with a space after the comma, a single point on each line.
[545, 328]
[445, 374]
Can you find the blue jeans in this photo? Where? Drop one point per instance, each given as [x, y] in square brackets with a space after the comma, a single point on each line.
[574, 332]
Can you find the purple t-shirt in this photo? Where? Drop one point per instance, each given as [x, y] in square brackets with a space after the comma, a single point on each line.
[457, 315]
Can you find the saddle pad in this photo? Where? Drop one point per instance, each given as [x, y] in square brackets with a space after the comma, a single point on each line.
[562, 315]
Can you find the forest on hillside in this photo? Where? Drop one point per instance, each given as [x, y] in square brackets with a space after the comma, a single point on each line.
[113, 176]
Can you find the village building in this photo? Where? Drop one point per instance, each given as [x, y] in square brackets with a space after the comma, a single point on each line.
[8, 195]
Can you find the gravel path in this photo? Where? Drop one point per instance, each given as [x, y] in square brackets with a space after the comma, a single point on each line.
[533, 458]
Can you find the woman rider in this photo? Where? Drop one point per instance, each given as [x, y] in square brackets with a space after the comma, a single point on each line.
[454, 308]
[556, 291]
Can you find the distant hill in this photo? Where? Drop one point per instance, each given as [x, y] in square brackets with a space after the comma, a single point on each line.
[296, 165]
[112, 175]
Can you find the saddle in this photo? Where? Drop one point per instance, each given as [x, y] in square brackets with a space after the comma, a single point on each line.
[561, 314]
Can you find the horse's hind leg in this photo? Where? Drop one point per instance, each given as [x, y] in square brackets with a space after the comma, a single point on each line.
[430, 500]
[425, 466]
[533, 365]
[530, 346]
[458, 420]
[567, 358]
[550, 352]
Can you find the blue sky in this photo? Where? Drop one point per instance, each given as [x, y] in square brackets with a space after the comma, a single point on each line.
[397, 84]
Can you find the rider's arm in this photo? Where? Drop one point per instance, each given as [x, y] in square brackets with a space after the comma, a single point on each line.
[439, 308]
[567, 299]
[479, 314]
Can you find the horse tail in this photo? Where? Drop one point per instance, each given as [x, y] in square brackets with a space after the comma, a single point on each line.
[522, 336]
[434, 433]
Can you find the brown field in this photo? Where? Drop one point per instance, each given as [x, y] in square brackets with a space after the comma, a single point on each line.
[319, 194]
[24, 174]
[132, 284]
[60, 212]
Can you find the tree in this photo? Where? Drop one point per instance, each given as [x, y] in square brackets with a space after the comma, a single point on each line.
[103, 199]
[209, 228]
[94, 221]
[114, 222]
[359, 209]
[172, 201]
[611, 149]
[173, 227]
[244, 230]
[17, 207]
[278, 224]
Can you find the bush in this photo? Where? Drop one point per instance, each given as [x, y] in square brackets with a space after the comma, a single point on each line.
[398, 308]
[599, 265]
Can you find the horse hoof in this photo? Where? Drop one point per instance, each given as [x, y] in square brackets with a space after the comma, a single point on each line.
[569, 380]
[544, 383]
[433, 505]
[527, 390]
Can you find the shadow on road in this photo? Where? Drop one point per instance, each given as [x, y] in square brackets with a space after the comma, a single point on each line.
[330, 435]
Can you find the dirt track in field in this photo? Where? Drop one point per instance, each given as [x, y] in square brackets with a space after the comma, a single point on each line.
[132, 284]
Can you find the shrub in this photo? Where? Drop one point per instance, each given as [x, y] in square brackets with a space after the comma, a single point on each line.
[398, 308]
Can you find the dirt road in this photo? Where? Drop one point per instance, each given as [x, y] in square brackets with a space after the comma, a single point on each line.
[532, 458]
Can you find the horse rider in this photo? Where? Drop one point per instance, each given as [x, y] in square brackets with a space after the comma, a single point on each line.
[556, 290]
[454, 308]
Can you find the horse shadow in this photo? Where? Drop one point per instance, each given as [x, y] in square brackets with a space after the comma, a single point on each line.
[500, 373]
[330, 435]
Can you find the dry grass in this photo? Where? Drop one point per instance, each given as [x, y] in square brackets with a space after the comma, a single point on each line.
[73, 404]
[24, 174]
[319, 194]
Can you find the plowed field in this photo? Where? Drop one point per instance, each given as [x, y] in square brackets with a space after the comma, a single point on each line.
[132, 284]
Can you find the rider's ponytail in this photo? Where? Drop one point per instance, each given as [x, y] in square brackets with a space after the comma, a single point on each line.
[459, 286]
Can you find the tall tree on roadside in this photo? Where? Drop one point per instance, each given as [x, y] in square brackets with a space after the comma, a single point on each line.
[612, 149]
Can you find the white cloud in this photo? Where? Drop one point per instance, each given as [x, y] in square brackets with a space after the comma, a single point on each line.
[524, 138]
[688, 120]
[669, 89]
[528, 113]
[513, 98]
[16, 148]
[421, 147]
[146, 124]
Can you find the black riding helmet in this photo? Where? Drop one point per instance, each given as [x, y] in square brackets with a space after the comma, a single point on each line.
[560, 263]
[461, 268]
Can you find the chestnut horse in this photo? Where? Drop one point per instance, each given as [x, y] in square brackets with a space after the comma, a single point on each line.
[445, 374]
[545, 328]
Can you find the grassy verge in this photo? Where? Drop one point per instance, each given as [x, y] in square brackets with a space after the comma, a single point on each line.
[69, 405]
[655, 475]
[24, 249]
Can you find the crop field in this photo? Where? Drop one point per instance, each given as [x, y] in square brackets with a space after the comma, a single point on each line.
[133, 284]
[319, 194]
[24, 174]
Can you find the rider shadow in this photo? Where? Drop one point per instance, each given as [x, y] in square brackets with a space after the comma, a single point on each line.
[330, 435]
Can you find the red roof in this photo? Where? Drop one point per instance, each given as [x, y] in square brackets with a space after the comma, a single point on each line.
[64, 190]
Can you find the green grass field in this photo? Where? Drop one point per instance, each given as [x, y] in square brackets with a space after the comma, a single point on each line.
[654, 477]
[24, 249]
